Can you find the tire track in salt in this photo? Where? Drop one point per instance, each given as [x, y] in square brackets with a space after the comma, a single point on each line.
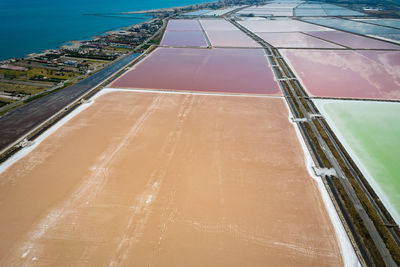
[142, 207]
[259, 238]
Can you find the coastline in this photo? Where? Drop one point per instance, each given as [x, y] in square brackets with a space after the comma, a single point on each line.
[66, 44]
[156, 10]
[165, 9]
[76, 43]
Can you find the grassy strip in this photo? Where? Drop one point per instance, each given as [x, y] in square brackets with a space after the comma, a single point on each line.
[21, 88]
[320, 151]
[311, 134]
[4, 102]
[303, 101]
[362, 231]
[298, 110]
[294, 85]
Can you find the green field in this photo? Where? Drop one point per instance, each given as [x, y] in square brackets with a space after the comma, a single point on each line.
[4, 101]
[32, 72]
[370, 131]
[21, 88]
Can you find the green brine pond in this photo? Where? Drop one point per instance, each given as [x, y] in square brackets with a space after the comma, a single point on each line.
[370, 132]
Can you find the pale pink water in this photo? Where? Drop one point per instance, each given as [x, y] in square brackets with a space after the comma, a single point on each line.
[353, 40]
[183, 25]
[231, 39]
[208, 70]
[347, 74]
[295, 39]
[217, 25]
[184, 38]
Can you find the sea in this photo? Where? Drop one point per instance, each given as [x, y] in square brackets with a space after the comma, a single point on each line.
[31, 26]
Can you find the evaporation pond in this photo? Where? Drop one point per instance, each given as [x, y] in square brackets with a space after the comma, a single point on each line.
[383, 22]
[359, 27]
[207, 70]
[370, 131]
[294, 39]
[184, 38]
[218, 25]
[183, 25]
[353, 40]
[282, 25]
[347, 73]
[231, 39]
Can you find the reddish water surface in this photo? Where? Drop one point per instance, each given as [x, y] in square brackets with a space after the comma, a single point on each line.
[295, 39]
[184, 38]
[353, 40]
[231, 39]
[348, 73]
[183, 25]
[207, 70]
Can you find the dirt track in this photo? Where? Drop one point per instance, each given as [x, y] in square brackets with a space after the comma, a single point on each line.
[142, 179]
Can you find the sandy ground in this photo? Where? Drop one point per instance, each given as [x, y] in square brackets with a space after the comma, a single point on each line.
[147, 179]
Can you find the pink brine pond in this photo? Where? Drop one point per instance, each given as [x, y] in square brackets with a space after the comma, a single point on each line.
[183, 25]
[294, 39]
[353, 40]
[347, 73]
[231, 39]
[184, 38]
[244, 71]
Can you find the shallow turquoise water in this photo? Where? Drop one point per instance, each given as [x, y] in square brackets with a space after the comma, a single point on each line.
[29, 26]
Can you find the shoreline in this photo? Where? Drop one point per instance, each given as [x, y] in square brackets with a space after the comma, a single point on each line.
[65, 44]
[76, 43]
[165, 9]
[109, 32]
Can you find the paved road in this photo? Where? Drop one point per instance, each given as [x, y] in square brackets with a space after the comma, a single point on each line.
[19, 121]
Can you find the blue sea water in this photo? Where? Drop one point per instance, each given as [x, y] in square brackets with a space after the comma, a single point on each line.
[29, 26]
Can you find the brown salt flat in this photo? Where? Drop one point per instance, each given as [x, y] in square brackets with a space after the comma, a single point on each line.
[140, 179]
